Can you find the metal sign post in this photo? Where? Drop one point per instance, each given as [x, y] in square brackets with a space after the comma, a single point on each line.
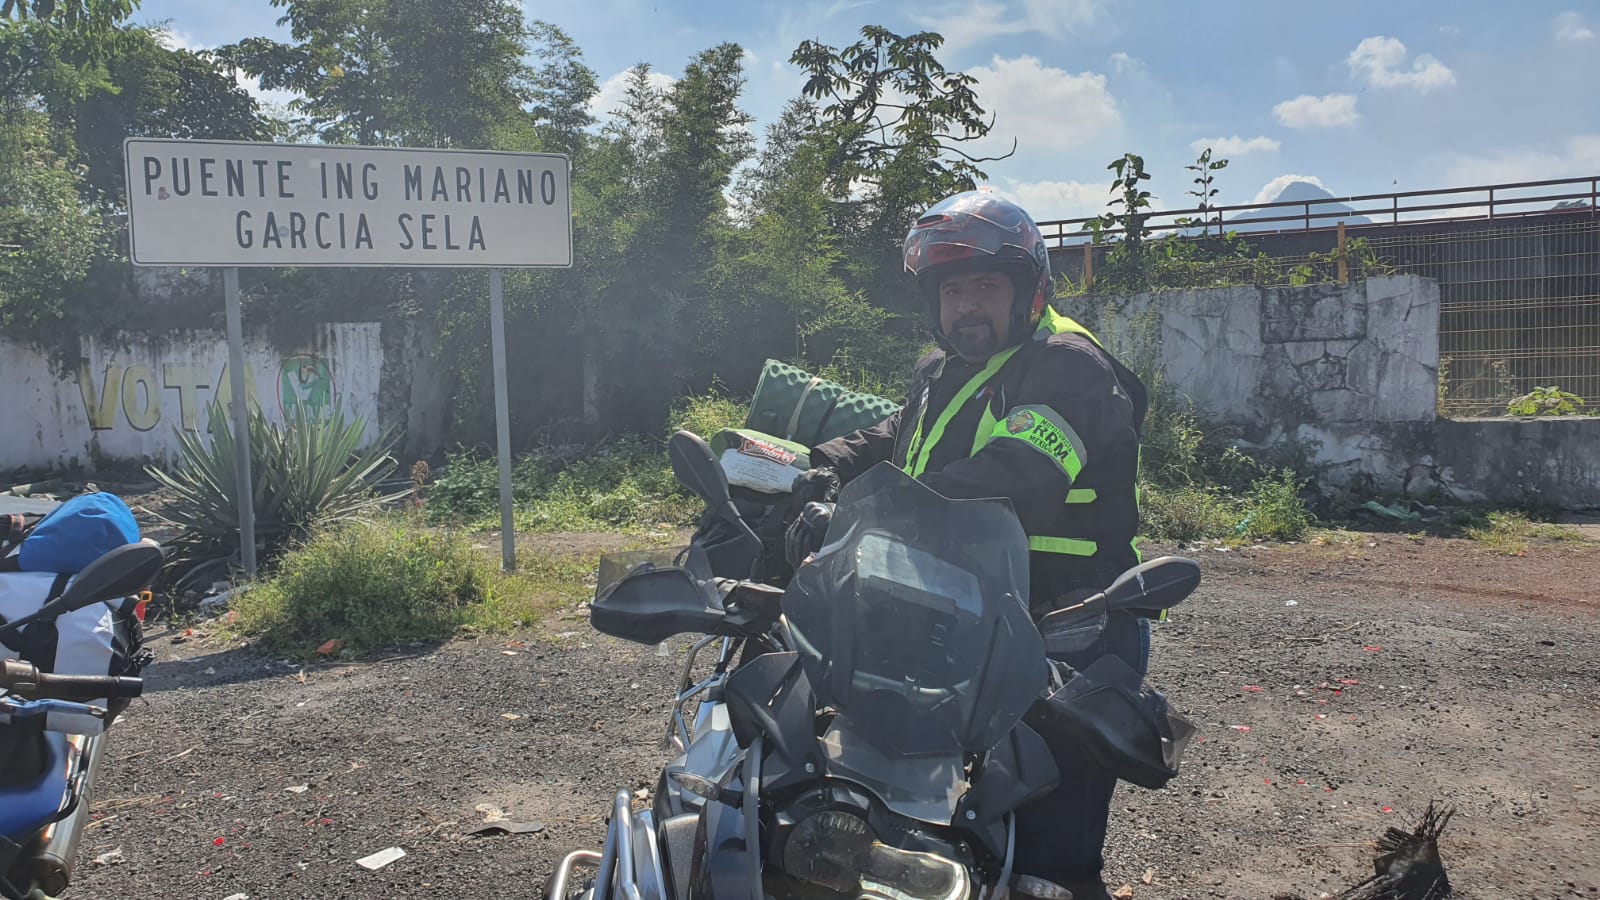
[238, 404]
[502, 416]
[240, 203]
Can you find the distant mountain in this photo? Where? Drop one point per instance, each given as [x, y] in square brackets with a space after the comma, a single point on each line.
[1297, 192]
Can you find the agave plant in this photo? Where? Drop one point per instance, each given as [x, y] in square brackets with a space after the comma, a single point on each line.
[310, 471]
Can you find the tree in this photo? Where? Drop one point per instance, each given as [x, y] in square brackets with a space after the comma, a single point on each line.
[40, 58]
[411, 72]
[91, 19]
[560, 90]
[887, 96]
[706, 136]
[151, 91]
[48, 241]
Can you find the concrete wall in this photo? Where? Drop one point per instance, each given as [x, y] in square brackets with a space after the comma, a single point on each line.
[1553, 462]
[126, 399]
[1350, 372]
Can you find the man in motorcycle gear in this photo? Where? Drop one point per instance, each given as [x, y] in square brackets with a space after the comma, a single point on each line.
[1020, 402]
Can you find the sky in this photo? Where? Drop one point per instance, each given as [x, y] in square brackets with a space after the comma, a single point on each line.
[1361, 97]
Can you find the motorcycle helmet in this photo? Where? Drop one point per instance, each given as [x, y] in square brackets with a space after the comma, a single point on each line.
[980, 230]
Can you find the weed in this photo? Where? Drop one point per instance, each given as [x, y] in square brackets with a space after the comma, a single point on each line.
[1187, 513]
[1546, 401]
[1513, 532]
[707, 414]
[1276, 512]
[1335, 537]
[625, 486]
[385, 583]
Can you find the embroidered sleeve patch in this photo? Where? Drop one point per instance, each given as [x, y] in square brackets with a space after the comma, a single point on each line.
[1043, 430]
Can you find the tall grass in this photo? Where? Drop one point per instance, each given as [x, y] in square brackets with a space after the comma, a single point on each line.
[391, 582]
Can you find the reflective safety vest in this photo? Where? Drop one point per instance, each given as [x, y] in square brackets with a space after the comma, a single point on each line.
[931, 431]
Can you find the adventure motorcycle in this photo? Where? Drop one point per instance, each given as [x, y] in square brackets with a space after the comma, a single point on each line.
[52, 733]
[890, 711]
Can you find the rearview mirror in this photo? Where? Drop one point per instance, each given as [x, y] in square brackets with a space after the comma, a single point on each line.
[118, 573]
[697, 469]
[1156, 585]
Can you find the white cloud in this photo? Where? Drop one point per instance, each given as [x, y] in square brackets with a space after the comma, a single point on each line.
[615, 88]
[1381, 62]
[1306, 111]
[252, 86]
[1235, 146]
[965, 24]
[839, 6]
[182, 40]
[177, 40]
[1042, 106]
[1270, 191]
[1579, 157]
[1124, 63]
[1570, 26]
[1045, 200]
[1450, 30]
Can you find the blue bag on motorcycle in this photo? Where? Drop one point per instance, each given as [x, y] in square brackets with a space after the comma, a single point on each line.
[73, 535]
[103, 639]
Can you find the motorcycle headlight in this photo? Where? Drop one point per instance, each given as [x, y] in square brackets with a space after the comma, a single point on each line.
[837, 850]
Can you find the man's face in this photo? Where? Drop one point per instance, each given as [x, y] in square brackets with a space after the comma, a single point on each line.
[975, 312]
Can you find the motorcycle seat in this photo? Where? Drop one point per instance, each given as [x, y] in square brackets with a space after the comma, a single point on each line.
[31, 801]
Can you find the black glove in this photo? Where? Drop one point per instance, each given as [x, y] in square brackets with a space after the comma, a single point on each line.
[806, 534]
[819, 485]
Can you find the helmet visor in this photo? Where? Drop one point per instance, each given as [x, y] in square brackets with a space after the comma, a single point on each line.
[969, 226]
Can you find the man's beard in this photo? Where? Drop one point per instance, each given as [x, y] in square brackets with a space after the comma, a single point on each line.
[974, 339]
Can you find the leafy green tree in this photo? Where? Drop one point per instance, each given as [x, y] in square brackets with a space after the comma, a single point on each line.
[151, 91]
[888, 95]
[90, 20]
[560, 90]
[894, 122]
[48, 240]
[410, 72]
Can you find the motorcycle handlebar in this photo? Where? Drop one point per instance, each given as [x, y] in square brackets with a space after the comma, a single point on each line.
[27, 681]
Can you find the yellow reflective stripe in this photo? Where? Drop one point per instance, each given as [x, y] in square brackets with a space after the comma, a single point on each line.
[1082, 495]
[1055, 323]
[985, 432]
[915, 467]
[1069, 546]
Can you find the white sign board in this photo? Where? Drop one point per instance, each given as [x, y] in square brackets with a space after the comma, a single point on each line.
[238, 203]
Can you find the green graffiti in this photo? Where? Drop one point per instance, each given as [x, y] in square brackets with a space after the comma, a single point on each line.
[305, 384]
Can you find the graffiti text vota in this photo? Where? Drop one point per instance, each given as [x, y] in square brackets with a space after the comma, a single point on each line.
[141, 397]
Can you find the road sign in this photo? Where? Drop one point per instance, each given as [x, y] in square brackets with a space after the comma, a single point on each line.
[240, 203]
[243, 203]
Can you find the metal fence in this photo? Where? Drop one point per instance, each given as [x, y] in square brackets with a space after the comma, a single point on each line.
[1519, 308]
[1518, 267]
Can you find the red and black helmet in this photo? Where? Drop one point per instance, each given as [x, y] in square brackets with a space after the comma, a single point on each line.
[980, 230]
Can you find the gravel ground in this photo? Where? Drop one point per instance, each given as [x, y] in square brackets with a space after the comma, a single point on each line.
[1391, 672]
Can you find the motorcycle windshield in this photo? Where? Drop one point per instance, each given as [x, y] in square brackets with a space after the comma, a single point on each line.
[912, 622]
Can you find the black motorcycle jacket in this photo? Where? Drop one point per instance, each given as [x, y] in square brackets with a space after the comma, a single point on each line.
[1052, 424]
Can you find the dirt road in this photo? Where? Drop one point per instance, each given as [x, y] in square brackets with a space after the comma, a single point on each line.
[1338, 689]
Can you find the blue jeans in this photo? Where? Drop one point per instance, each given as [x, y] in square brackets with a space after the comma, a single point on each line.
[1061, 835]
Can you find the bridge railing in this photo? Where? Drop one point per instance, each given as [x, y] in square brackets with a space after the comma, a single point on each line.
[1492, 201]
